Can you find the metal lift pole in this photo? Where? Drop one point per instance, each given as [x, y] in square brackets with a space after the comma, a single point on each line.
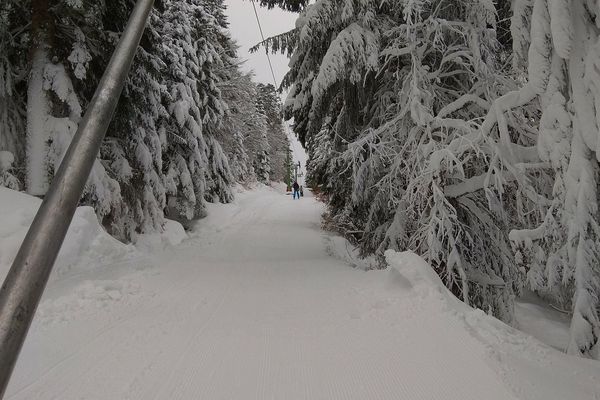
[296, 167]
[27, 278]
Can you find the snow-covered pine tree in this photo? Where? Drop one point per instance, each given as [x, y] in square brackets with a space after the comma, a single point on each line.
[13, 71]
[388, 98]
[278, 142]
[246, 135]
[133, 149]
[239, 158]
[236, 93]
[288, 178]
[62, 38]
[145, 154]
[219, 176]
[122, 180]
[262, 162]
[196, 168]
[553, 189]
[53, 106]
[256, 140]
[557, 40]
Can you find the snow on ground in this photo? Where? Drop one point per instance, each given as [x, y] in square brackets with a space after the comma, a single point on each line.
[533, 315]
[252, 306]
[87, 245]
[543, 322]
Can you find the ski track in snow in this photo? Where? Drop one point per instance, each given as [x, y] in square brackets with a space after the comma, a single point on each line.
[253, 307]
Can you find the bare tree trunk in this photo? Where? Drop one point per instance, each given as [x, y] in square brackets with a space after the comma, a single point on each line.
[38, 103]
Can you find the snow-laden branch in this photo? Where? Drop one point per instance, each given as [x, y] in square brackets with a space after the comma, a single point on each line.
[503, 104]
[470, 185]
[461, 102]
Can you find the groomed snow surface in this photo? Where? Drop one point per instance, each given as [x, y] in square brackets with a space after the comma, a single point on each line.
[252, 305]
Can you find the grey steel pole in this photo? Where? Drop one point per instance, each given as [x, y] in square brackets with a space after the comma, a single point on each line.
[296, 166]
[27, 278]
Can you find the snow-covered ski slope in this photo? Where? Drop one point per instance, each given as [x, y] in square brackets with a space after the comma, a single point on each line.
[251, 306]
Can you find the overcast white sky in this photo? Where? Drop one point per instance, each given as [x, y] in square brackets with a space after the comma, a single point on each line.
[244, 29]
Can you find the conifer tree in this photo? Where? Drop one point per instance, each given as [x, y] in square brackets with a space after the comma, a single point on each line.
[556, 42]
[382, 95]
[160, 153]
[278, 142]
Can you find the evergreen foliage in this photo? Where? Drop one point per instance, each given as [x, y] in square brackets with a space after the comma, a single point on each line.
[169, 147]
[279, 144]
[463, 130]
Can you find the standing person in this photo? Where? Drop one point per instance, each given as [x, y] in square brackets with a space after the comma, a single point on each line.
[301, 191]
[296, 188]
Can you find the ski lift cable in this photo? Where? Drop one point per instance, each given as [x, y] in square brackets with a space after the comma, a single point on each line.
[263, 39]
[285, 125]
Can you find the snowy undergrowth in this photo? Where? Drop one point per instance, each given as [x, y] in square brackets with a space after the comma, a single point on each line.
[513, 354]
[342, 249]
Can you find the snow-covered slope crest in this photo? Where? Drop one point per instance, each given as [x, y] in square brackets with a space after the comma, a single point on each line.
[531, 369]
[86, 246]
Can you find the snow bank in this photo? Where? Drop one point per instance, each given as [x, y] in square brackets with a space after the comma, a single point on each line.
[340, 248]
[531, 369]
[86, 246]
[173, 234]
[417, 273]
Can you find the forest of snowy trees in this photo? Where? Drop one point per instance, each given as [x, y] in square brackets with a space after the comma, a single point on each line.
[464, 130]
[189, 124]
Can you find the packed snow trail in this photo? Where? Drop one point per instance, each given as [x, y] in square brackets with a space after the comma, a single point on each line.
[252, 306]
